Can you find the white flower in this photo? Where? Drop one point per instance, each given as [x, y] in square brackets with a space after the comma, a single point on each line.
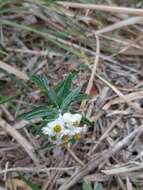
[67, 117]
[47, 131]
[72, 119]
[75, 119]
[53, 128]
[64, 128]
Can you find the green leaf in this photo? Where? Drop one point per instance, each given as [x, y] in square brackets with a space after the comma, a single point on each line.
[4, 99]
[98, 187]
[41, 81]
[50, 2]
[52, 97]
[40, 112]
[81, 96]
[64, 86]
[43, 84]
[86, 186]
[70, 98]
[87, 122]
[58, 86]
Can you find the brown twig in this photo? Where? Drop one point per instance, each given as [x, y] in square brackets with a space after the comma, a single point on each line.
[75, 157]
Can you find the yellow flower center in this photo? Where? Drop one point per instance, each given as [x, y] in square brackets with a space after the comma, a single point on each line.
[77, 136]
[57, 128]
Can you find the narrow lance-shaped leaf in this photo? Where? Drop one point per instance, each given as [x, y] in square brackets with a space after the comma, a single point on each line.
[98, 187]
[86, 186]
[43, 84]
[81, 96]
[70, 98]
[39, 112]
[64, 90]
[41, 81]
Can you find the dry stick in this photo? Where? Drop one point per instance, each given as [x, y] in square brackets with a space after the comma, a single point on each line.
[93, 164]
[35, 170]
[7, 113]
[90, 83]
[129, 184]
[21, 140]
[122, 96]
[13, 70]
[123, 169]
[6, 168]
[112, 9]
[123, 23]
[75, 157]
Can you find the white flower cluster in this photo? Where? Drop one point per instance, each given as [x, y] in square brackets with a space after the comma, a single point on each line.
[64, 128]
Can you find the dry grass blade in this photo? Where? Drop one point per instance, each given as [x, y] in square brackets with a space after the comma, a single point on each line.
[131, 167]
[119, 100]
[90, 82]
[34, 52]
[111, 9]
[12, 70]
[21, 140]
[119, 93]
[123, 23]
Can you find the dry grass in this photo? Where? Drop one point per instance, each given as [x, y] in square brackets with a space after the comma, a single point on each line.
[105, 43]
